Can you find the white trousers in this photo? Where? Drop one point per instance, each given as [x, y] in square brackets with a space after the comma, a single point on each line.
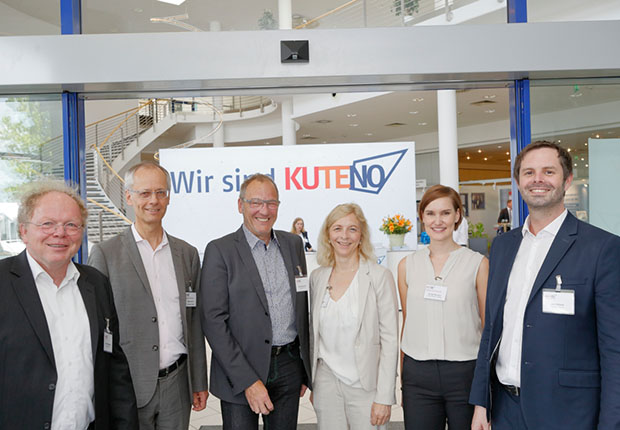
[339, 406]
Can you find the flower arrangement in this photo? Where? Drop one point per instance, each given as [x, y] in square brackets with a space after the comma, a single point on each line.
[397, 224]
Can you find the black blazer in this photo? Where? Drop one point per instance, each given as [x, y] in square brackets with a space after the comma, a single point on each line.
[307, 245]
[28, 372]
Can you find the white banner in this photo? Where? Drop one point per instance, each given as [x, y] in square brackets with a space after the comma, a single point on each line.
[312, 179]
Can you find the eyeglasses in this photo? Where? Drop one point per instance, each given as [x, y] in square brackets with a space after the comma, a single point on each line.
[146, 194]
[50, 227]
[258, 203]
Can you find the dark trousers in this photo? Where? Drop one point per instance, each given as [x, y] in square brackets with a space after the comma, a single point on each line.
[435, 391]
[286, 374]
[506, 411]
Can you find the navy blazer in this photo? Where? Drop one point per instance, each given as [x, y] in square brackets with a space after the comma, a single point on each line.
[28, 374]
[570, 365]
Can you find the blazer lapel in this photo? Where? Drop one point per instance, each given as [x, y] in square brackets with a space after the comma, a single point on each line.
[319, 294]
[286, 251]
[364, 285]
[179, 272]
[28, 296]
[130, 245]
[503, 267]
[87, 290]
[561, 244]
[245, 253]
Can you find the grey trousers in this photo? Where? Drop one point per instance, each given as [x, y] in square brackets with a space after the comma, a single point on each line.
[170, 406]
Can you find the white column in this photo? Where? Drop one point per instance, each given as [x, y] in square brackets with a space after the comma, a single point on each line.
[289, 136]
[448, 142]
[285, 22]
[218, 136]
[285, 14]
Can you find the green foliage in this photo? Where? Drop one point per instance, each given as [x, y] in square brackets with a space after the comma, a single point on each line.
[409, 7]
[25, 132]
[477, 230]
[267, 21]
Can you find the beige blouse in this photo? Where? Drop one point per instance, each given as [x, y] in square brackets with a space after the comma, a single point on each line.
[442, 330]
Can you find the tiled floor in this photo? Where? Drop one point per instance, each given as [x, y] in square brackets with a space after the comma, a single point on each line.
[211, 415]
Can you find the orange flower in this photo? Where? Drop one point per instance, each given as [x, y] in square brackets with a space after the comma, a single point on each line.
[391, 228]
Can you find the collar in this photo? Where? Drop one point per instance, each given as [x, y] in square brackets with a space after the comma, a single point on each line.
[552, 228]
[138, 238]
[72, 273]
[253, 239]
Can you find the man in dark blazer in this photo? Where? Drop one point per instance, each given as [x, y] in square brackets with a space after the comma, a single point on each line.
[155, 278]
[549, 356]
[61, 362]
[254, 316]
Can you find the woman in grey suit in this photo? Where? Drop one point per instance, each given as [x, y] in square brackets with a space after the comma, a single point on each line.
[354, 327]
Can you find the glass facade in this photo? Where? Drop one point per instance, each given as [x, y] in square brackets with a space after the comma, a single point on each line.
[31, 148]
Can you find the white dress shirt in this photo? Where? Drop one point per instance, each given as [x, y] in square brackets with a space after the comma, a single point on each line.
[338, 324]
[163, 281]
[69, 329]
[530, 257]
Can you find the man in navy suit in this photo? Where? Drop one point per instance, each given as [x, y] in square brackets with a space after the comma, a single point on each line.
[549, 356]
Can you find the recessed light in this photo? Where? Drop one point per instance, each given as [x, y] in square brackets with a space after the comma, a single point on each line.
[368, 134]
[568, 149]
[468, 157]
[323, 121]
[489, 96]
[587, 165]
[597, 136]
[422, 123]
[415, 112]
[509, 160]
[353, 125]
[417, 99]
[267, 143]
[585, 185]
[574, 95]
[480, 151]
[174, 2]
[586, 144]
[507, 152]
[351, 115]
[559, 140]
[575, 164]
[489, 111]
[485, 158]
[583, 159]
[499, 146]
[306, 135]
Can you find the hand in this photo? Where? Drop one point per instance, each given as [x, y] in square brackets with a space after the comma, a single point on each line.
[479, 421]
[258, 398]
[200, 400]
[380, 414]
[303, 390]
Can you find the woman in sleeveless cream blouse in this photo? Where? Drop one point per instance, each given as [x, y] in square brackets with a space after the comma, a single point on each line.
[442, 291]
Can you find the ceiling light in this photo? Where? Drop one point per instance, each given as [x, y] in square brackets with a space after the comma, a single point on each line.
[489, 96]
[586, 144]
[568, 149]
[306, 135]
[174, 2]
[597, 136]
[415, 112]
[575, 95]
[507, 153]
[422, 123]
[585, 185]
[368, 134]
[583, 159]
[468, 157]
[267, 143]
[575, 164]
[587, 165]
[353, 125]
[480, 151]
[485, 158]
[351, 115]
[499, 146]
[509, 160]
[417, 99]
[559, 140]
[489, 111]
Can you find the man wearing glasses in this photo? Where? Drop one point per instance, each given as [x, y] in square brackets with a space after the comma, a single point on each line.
[254, 317]
[62, 365]
[155, 278]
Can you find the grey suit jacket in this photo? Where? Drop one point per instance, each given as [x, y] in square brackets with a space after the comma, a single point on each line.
[235, 313]
[119, 259]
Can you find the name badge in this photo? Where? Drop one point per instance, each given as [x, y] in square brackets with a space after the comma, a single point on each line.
[436, 292]
[107, 338]
[560, 302]
[302, 283]
[190, 299]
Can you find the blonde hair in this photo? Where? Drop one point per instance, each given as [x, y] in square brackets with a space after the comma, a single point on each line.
[34, 191]
[293, 229]
[325, 253]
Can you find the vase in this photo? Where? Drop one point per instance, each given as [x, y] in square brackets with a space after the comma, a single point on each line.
[396, 240]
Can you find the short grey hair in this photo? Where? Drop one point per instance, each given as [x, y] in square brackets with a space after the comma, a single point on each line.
[260, 178]
[35, 190]
[129, 175]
